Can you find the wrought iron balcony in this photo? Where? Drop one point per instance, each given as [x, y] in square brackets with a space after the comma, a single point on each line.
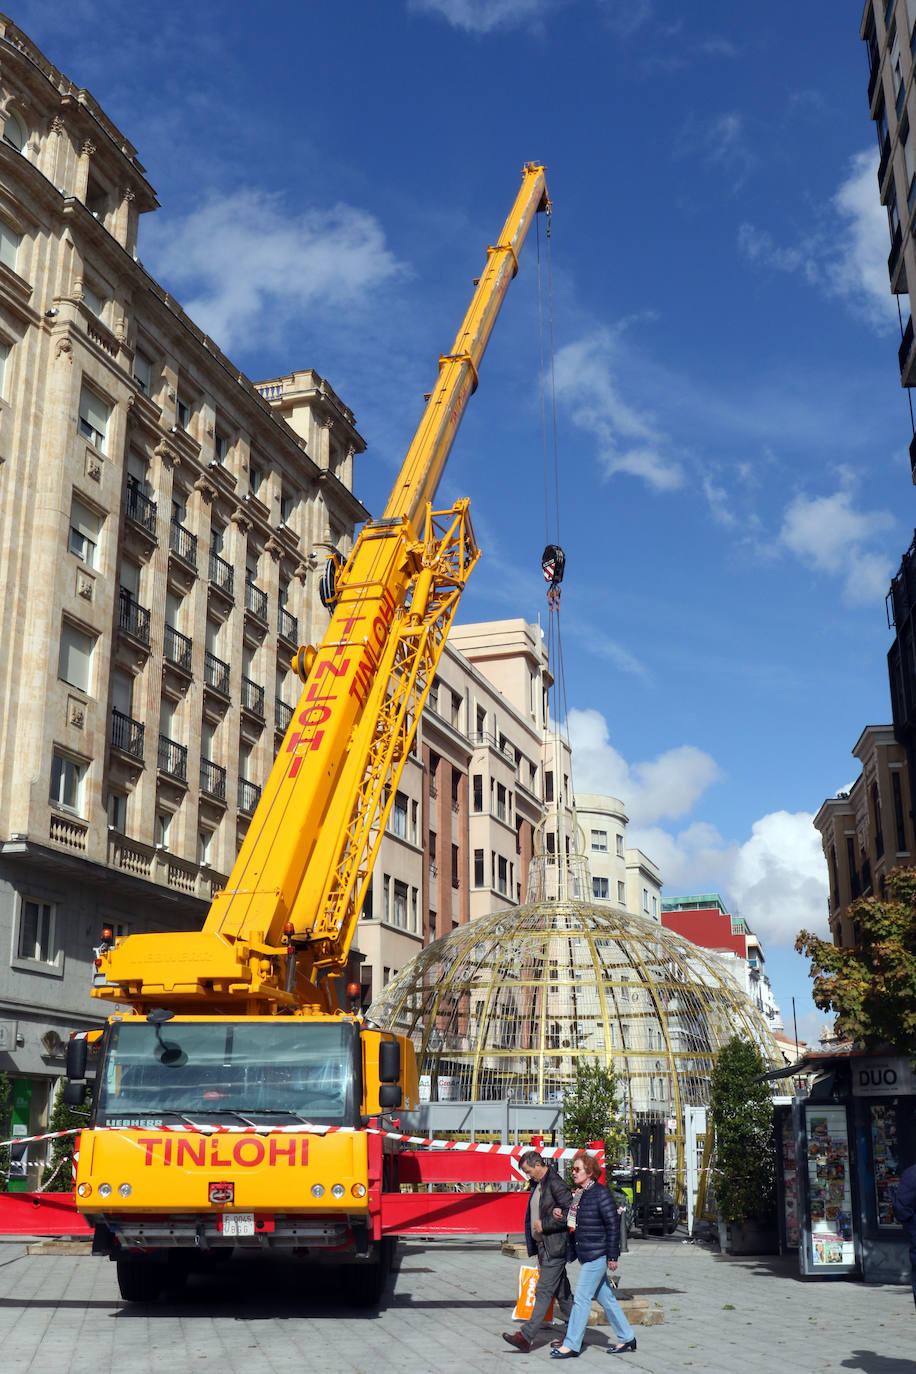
[133, 618]
[213, 779]
[138, 506]
[249, 796]
[183, 543]
[177, 648]
[283, 715]
[252, 697]
[288, 626]
[221, 574]
[173, 758]
[216, 673]
[256, 601]
[906, 348]
[126, 734]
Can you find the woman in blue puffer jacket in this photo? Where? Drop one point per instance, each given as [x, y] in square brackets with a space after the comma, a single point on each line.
[594, 1240]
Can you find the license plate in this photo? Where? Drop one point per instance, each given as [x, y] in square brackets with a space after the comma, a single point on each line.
[238, 1223]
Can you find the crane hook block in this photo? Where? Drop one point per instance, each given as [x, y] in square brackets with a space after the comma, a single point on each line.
[553, 564]
[327, 587]
[301, 662]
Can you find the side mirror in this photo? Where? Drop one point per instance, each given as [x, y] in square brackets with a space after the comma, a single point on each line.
[389, 1096]
[389, 1061]
[75, 1094]
[77, 1056]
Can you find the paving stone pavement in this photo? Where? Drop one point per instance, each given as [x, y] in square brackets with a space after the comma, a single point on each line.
[444, 1310]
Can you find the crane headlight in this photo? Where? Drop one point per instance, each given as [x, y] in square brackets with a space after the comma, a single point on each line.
[105, 1190]
[338, 1190]
[317, 1190]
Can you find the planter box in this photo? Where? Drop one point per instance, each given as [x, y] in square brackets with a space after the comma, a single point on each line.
[749, 1238]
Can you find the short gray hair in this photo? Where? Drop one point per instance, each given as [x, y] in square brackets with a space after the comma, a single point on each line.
[530, 1158]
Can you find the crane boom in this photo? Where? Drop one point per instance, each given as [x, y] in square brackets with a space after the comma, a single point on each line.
[287, 914]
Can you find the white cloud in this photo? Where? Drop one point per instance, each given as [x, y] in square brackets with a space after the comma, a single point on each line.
[487, 16]
[847, 257]
[669, 785]
[719, 141]
[828, 534]
[628, 439]
[252, 268]
[776, 878]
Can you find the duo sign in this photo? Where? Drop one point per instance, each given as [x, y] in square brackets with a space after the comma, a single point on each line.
[890, 1077]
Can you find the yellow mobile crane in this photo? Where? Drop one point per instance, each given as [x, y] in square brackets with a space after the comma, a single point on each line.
[238, 1036]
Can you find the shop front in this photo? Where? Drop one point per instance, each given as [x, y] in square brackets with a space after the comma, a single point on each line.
[841, 1150]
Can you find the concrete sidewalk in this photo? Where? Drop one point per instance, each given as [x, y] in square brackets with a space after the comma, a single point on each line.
[445, 1309]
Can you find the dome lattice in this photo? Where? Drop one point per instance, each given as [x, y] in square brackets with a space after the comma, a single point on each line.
[505, 1005]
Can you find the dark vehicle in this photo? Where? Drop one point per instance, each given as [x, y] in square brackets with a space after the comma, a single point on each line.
[657, 1216]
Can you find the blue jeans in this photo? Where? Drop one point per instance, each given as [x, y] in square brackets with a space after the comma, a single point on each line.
[593, 1284]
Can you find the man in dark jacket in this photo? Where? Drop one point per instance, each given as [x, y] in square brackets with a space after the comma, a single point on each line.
[545, 1234]
[905, 1212]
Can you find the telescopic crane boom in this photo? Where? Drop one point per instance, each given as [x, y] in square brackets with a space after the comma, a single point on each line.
[286, 918]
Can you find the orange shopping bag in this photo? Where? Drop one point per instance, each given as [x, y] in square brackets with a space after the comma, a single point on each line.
[527, 1282]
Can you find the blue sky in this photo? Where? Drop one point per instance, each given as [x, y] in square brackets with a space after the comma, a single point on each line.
[733, 439]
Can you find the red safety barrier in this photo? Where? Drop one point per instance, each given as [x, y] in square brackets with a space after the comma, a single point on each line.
[453, 1214]
[41, 1214]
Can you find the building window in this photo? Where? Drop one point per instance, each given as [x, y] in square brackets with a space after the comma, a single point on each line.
[93, 301]
[9, 245]
[599, 841]
[220, 447]
[600, 889]
[4, 358]
[655, 908]
[502, 875]
[287, 506]
[14, 132]
[143, 373]
[548, 786]
[38, 932]
[255, 478]
[876, 820]
[84, 532]
[456, 867]
[414, 908]
[455, 715]
[116, 807]
[67, 777]
[74, 664]
[204, 846]
[94, 416]
[645, 899]
[478, 868]
[182, 413]
[477, 780]
[898, 813]
[500, 801]
[163, 826]
[414, 818]
[399, 816]
[621, 894]
[400, 904]
[620, 853]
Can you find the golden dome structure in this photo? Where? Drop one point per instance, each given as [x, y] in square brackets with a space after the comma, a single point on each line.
[503, 1007]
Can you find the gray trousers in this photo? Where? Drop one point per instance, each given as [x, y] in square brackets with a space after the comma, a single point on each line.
[552, 1282]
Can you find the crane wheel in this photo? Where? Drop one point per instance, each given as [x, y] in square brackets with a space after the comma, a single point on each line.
[141, 1279]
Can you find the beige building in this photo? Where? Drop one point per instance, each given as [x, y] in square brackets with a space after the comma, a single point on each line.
[461, 831]
[625, 877]
[161, 523]
[868, 830]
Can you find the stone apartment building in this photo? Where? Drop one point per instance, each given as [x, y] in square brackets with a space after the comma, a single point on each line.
[461, 832]
[161, 523]
[868, 830]
[623, 876]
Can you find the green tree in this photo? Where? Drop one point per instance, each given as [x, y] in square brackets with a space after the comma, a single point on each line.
[591, 1110]
[58, 1171]
[872, 988]
[742, 1115]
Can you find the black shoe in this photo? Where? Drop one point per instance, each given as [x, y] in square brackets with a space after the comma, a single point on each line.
[518, 1340]
[557, 1354]
[619, 1349]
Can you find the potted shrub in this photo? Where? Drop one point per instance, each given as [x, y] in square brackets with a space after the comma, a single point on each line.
[744, 1173]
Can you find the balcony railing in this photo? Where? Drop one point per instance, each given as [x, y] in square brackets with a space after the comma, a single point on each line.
[885, 159]
[138, 507]
[213, 779]
[221, 574]
[183, 543]
[284, 715]
[253, 697]
[216, 673]
[173, 758]
[249, 796]
[288, 626]
[133, 618]
[894, 255]
[177, 648]
[126, 734]
[256, 601]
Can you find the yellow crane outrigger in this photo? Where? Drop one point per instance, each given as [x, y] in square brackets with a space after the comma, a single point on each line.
[239, 1027]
